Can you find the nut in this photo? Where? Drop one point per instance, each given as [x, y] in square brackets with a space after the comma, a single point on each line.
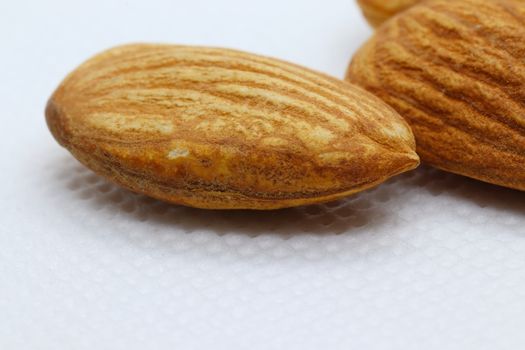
[455, 71]
[223, 129]
[378, 11]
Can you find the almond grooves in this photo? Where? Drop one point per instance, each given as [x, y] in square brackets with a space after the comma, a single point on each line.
[223, 129]
[456, 71]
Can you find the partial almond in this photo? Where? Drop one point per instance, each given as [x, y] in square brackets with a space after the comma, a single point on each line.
[455, 71]
[378, 11]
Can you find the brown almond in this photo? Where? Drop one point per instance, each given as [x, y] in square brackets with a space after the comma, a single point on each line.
[378, 11]
[217, 128]
[455, 71]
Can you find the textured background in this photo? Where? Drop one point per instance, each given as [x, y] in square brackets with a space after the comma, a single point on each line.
[428, 260]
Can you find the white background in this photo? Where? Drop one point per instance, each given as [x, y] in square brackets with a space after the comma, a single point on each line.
[426, 261]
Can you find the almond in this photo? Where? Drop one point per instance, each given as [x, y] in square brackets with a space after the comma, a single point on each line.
[223, 129]
[455, 71]
[378, 11]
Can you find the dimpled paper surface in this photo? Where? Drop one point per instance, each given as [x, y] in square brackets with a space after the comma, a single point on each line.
[428, 260]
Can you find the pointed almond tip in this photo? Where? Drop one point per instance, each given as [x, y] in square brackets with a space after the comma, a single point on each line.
[407, 161]
[413, 160]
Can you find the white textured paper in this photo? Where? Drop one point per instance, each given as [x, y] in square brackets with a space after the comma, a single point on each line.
[428, 260]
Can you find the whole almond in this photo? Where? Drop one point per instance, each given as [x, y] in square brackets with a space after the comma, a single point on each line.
[378, 11]
[456, 71]
[223, 129]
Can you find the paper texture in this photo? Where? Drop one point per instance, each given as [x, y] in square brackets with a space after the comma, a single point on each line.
[428, 260]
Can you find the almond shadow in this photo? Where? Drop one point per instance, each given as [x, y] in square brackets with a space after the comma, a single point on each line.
[484, 195]
[355, 214]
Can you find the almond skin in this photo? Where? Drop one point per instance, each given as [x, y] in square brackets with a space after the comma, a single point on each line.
[456, 71]
[222, 129]
[378, 11]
